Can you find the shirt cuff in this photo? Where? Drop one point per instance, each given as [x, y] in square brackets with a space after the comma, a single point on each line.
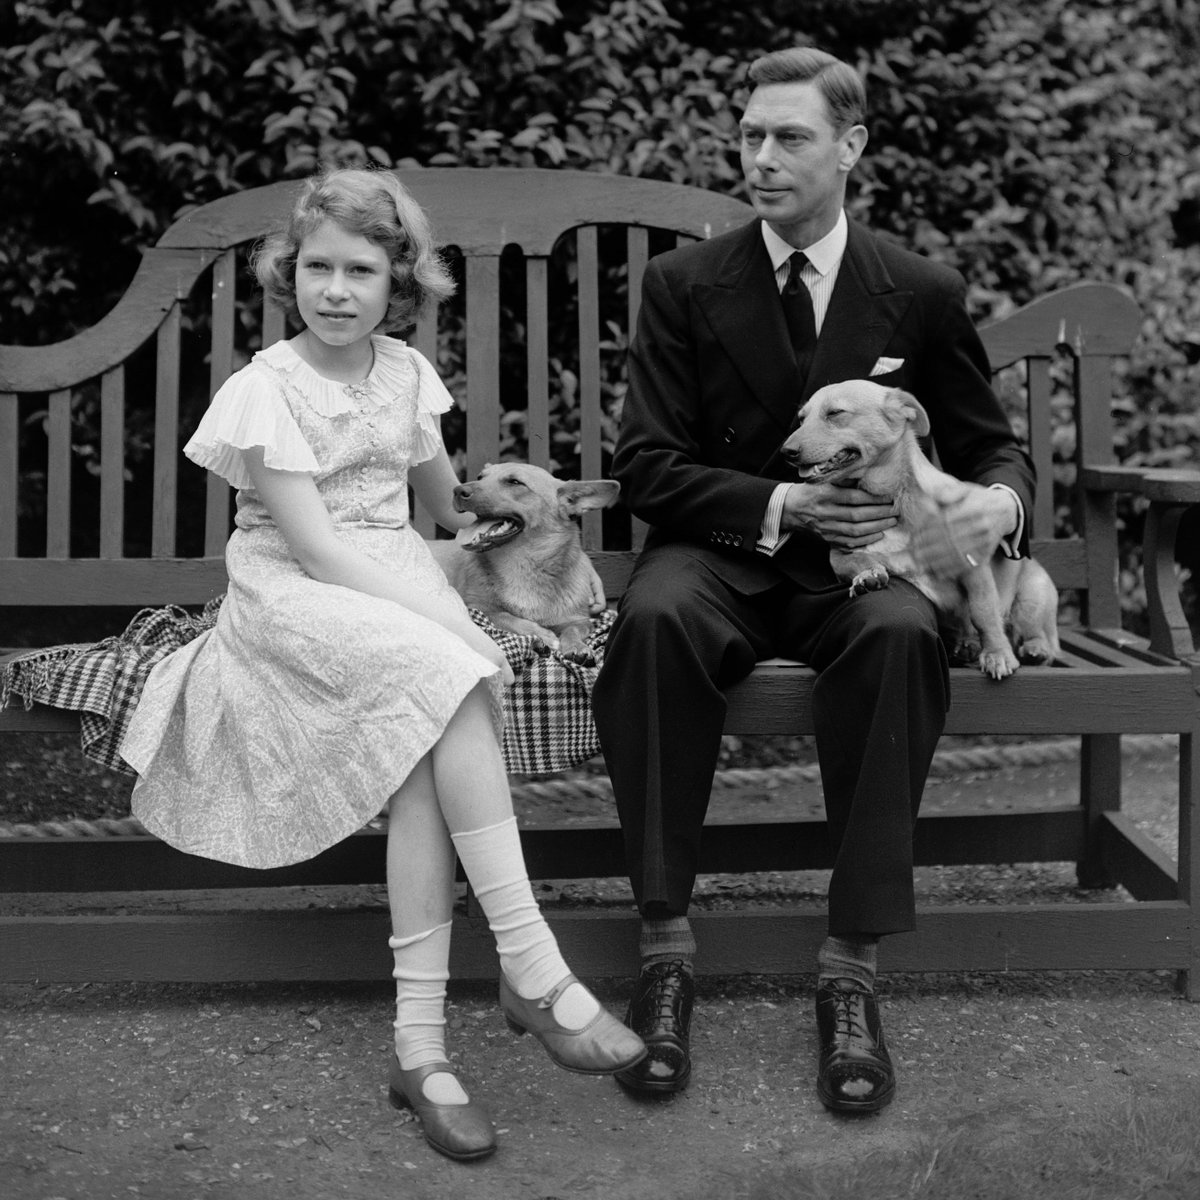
[1010, 542]
[769, 537]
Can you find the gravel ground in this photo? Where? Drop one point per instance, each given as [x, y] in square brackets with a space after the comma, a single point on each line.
[278, 1091]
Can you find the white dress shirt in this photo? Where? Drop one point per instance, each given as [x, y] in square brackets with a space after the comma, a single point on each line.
[819, 275]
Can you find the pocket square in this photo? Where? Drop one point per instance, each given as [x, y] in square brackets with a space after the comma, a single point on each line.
[885, 366]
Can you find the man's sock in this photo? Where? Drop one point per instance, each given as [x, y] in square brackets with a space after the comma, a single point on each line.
[852, 957]
[667, 939]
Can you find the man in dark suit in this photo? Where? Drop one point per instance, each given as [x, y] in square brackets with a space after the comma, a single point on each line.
[734, 334]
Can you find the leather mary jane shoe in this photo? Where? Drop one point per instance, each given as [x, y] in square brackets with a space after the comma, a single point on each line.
[660, 1012]
[601, 1047]
[855, 1073]
[463, 1132]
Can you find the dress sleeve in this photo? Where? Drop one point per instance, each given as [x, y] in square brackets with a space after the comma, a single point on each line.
[433, 399]
[249, 410]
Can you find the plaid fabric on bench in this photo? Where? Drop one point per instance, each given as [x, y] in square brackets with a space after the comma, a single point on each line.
[548, 723]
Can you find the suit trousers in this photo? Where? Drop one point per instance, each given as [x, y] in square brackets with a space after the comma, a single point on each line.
[683, 634]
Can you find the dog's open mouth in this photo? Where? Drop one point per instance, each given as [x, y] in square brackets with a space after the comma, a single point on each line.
[489, 532]
[811, 472]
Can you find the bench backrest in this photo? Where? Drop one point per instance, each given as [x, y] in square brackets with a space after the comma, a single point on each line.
[550, 266]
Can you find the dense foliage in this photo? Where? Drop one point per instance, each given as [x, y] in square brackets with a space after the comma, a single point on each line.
[1030, 143]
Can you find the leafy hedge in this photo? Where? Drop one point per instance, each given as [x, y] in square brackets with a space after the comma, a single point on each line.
[1030, 143]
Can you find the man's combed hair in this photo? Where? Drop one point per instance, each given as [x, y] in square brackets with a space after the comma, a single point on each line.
[376, 206]
[838, 82]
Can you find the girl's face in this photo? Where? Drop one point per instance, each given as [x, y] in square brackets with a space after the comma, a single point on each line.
[343, 283]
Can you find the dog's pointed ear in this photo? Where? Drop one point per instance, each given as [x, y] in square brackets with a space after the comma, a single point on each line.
[578, 495]
[909, 408]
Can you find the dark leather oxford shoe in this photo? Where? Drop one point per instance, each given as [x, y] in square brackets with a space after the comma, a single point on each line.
[855, 1073]
[660, 1012]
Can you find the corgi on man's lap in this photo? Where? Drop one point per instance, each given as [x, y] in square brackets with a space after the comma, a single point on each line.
[862, 433]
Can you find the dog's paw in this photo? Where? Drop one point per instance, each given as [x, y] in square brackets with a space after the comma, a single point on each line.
[874, 579]
[964, 652]
[581, 658]
[999, 664]
[1035, 652]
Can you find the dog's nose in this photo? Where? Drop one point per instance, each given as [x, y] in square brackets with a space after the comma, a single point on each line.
[462, 491]
[791, 453]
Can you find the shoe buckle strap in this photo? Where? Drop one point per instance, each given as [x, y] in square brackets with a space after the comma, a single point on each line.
[550, 999]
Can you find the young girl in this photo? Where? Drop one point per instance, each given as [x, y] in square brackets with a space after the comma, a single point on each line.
[344, 674]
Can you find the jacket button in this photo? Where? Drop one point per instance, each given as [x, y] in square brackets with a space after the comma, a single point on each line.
[730, 435]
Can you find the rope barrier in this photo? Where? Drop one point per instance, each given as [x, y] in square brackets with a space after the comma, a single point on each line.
[946, 763]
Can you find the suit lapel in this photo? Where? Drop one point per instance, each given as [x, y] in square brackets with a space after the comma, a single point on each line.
[743, 311]
[864, 310]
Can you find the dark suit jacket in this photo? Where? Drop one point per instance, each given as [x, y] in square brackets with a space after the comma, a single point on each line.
[714, 391]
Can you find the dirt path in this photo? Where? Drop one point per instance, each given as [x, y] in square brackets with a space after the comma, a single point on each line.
[277, 1092]
[174, 1092]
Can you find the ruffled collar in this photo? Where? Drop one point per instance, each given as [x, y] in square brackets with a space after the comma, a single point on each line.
[391, 375]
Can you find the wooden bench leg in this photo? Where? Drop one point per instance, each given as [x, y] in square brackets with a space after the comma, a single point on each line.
[1099, 793]
[1188, 981]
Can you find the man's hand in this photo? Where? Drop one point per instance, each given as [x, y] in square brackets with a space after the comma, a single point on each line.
[845, 517]
[966, 530]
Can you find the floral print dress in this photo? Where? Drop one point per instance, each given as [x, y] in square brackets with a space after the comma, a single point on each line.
[288, 725]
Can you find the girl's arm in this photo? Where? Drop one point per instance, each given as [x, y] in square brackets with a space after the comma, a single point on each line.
[300, 515]
[434, 482]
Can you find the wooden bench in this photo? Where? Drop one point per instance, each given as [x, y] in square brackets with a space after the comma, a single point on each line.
[551, 265]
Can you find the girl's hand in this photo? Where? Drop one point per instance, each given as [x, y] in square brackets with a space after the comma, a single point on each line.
[598, 602]
[486, 648]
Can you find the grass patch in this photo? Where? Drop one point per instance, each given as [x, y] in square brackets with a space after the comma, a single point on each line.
[1147, 1149]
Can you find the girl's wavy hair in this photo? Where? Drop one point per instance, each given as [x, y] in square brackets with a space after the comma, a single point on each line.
[372, 204]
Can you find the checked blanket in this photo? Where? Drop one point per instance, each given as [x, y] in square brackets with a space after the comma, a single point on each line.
[548, 715]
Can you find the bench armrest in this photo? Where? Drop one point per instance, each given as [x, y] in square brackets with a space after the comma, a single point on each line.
[1168, 486]
[1170, 494]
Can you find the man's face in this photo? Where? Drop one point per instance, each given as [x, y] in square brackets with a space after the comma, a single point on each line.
[795, 163]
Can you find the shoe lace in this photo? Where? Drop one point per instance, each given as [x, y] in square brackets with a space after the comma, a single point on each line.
[844, 1015]
[663, 996]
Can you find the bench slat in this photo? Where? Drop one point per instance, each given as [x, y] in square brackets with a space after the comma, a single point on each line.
[1041, 446]
[313, 946]
[594, 850]
[589, 374]
[58, 475]
[166, 436]
[112, 463]
[537, 362]
[224, 297]
[8, 475]
[483, 362]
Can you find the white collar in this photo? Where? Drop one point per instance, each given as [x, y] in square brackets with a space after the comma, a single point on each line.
[390, 375]
[824, 254]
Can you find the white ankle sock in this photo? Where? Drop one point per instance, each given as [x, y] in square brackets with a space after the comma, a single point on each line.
[529, 956]
[421, 971]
